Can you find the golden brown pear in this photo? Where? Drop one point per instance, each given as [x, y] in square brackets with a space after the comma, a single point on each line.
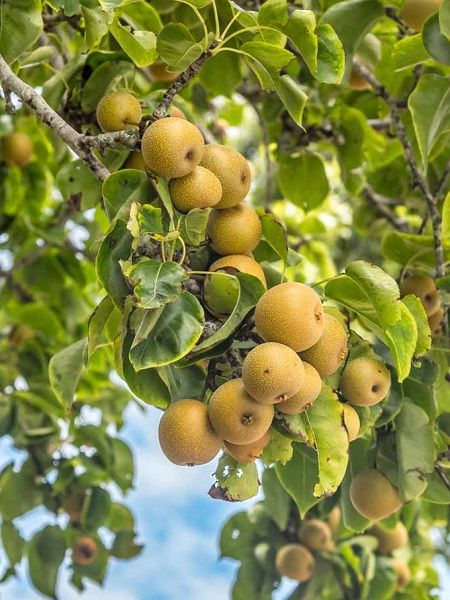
[272, 373]
[436, 321]
[416, 12]
[242, 263]
[84, 550]
[291, 314]
[235, 230]
[351, 422]
[233, 171]
[402, 571]
[118, 111]
[315, 534]
[172, 147]
[328, 353]
[295, 561]
[365, 381]
[307, 394]
[425, 289]
[373, 495]
[236, 417]
[160, 73]
[17, 149]
[198, 189]
[334, 518]
[186, 435]
[390, 539]
[248, 453]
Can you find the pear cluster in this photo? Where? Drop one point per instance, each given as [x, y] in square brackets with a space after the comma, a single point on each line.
[425, 289]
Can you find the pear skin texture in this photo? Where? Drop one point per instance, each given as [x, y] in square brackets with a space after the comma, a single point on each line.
[176, 112]
[373, 495]
[416, 12]
[118, 111]
[84, 551]
[221, 293]
[295, 561]
[436, 321]
[17, 149]
[235, 230]
[172, 147]
[291, 314]
[272, 373]
[232, 170]
[307, 394]
[160, 73]
[198, 189]
[236, 417]
[327, 355]
[351, 422]
[135, 161]
[186, 435]
[315, 534]
[425, 289]
[402, 571]
[249, 452]
[390, 539]
[365, 381]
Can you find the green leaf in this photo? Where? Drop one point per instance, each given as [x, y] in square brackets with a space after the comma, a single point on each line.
[75, 178]
[277, 502]
[279, 449]
[402, 339]
[405, 247]
[18, 493]
[193, 226]
[120, 518]
[300, 30]
[273, 13]
[155, 283]
[13, 543]
[64, 371]
[116, 246]
[292, 96]
[436, 44]
[415, 450]
[96, 26]
[274, 233]
[429, 104]
[96, 509]
[272, 57]
[174, 334]
[238, 537]
[141, 16]
[123, 188]
[221, 74]
[299, 476]
[122, 468]
[45, 554]
[20, 26]
[409, 52]
[124, 546]
[177, 47]
[98, 322]
[303, 180]
[330, 55]
[235, 482]
[139, 45]
[415, 307]
[444, 18]
[331, 440]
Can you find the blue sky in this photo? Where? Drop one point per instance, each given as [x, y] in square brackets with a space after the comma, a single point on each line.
[176, 520]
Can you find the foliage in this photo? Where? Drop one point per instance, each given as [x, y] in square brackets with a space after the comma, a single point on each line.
[101, 275]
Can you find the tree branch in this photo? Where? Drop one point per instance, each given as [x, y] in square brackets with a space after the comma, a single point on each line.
[45, 112]
[379, 204]
[443, 476]
[419, 179]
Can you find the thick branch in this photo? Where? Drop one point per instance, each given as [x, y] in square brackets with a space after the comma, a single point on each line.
[47, 115]
[419, 179]
[378, 203]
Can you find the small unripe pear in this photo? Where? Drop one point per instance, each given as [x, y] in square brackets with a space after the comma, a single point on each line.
[315, 534]
[295, 561]
[160, 73]
[248, 453]
[307, 394]
[198, 189]
[328, 353]
[235, 230]
[436, 321]
[17, 149]
[118, 111]
[425, 289]
[365, 381]
[390, 539]
[232, 170]
[373, 495]
[351, 422]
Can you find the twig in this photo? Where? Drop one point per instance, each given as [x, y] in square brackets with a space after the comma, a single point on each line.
[418, 179]
[380, 205]
[443, 476]
[392, 14]
[45, 112]
[9, 105]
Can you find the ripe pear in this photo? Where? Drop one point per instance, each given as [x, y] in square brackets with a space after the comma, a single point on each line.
[160, 73]
[235, 230]
[425, 289]
[436, 321]
[176, 112]
[365, 381]
[357, 82]
[351, 422]
[307, 394]
[272, 373]
[315, 534]
[327, 355]
[232, 170]
[416, 12]
[295, 561]
[373, 495]
[172, 147]
[220, 292]
[17, 149]
[236, 417]
[198, 189]
[248, 453]
[402, 571]
[186, 435]
[84, 550]
[118, 111]
[390, 539]
[291, 314]
[135, 161]
[334, 518]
